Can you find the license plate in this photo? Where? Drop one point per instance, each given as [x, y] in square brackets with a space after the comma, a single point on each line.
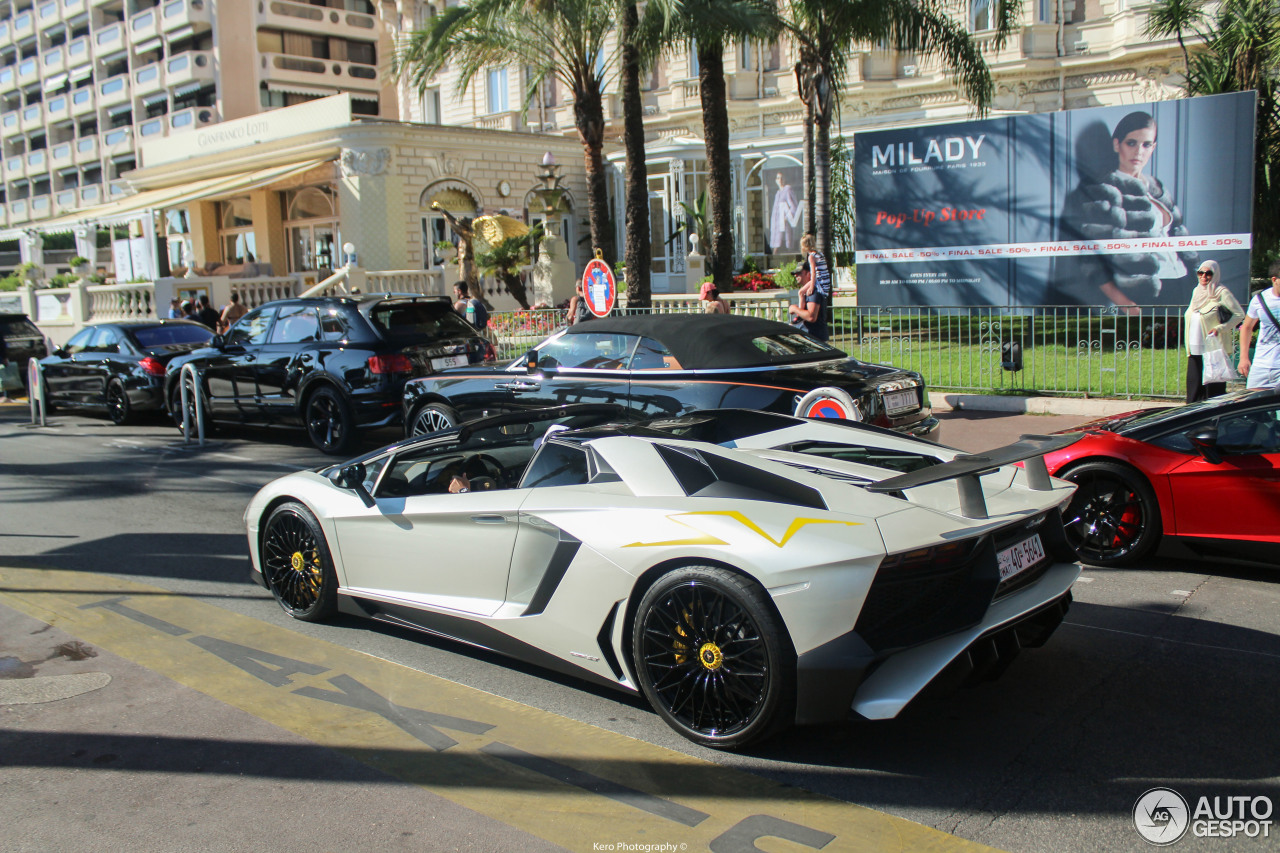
[449, 361]
[1018, 557]
[899, 401]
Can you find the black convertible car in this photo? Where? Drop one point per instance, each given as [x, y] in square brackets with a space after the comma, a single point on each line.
[669, 364]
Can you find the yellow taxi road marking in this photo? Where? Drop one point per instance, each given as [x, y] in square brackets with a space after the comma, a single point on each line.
[565, 781]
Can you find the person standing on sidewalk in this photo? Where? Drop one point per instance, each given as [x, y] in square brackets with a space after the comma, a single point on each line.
[1264, 309]
[1210, 319]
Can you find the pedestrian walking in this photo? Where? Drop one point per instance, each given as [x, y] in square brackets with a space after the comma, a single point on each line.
[231, 312]
[1263, 369]
[1210, 319]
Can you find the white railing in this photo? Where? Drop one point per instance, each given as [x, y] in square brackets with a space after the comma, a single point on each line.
[121, 301]
[426, 282]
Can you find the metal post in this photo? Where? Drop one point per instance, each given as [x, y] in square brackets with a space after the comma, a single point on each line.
[189, 385]
[35, 392]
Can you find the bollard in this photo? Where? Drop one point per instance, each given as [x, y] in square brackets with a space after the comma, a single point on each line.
[35, 393]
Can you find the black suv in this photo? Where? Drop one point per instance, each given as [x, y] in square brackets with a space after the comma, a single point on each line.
[330, 364]
[23, 341]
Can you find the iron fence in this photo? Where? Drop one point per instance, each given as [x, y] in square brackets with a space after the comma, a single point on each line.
[1044, 349]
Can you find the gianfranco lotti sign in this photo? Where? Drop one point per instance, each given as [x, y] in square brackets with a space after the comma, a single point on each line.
[1102, 206]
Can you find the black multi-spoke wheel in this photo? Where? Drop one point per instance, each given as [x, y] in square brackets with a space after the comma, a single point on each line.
[118, 403]
[175, 407]
[330, 424]
[433, 417]
[296, 563]
[1114, 518]
[712, 657]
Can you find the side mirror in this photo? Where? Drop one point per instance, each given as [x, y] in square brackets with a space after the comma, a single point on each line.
[352, 477]
[217, 342]
[531, 361]
[1205, 440]
[60, 352]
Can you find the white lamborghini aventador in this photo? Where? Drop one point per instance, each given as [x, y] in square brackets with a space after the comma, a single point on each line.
[743, 570]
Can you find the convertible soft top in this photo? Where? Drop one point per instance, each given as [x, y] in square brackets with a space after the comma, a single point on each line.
[701, 341]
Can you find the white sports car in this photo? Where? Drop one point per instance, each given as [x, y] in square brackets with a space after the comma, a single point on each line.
[743, 570]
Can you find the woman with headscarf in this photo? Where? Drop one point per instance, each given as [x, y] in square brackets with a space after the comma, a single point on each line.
[1211, 318]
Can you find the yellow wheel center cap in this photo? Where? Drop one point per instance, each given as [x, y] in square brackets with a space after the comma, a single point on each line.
[297, 561]
[711, 656]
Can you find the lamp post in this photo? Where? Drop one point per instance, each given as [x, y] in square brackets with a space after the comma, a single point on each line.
[553, 272]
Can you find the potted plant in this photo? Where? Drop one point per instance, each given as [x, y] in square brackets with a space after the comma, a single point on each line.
[446, 250]
[80, 265]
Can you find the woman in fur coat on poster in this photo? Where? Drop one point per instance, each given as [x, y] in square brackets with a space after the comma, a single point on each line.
[1125, 203]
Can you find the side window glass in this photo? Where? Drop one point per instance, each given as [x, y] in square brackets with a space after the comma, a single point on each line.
[106, 341]
[252, 328]
[652, 355]
[333, 326]
[556, 464]
[296, 324]
[596, 352]
[1249, 433]
[80, 341]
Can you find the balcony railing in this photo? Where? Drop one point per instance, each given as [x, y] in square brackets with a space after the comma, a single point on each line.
[303, 69]
[86, 149]
[57, 107]
[33, 117]
[54, 60]
[147, 79]
[28, 71]
[144, 25]
[192, 117]
[320, 20]
[83, 101]
[24, 25]
[91, 194]
[196, 14]
[108, 40]
[190, 66]
[10, 123]
[71, 8]
[36, 161]
[60, 155]
[151, 127]
[78, 49]
[113, 91]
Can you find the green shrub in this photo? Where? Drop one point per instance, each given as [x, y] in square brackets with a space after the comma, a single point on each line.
[10, 282]
[785, 277]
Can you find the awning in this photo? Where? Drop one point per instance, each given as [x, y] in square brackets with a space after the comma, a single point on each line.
[188, 89]
[119, 109]
[294, 89]
[81, 73]
[114, 57]
[147, 46]
[128, 207]
[155, 98]
[54, 83]
[362, 96]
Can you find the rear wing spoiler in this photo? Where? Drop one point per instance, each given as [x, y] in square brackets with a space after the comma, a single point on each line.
[966, 468]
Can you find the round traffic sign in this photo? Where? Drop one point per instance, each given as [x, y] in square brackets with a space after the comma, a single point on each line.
[599, 288]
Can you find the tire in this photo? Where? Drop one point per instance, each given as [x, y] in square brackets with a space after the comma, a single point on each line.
[713, 658]
[118, 408]
[297, 565]
[175, 409]
[828, 403]
[49, 406]
[1113, 519]
[433, 417]
[329, 421]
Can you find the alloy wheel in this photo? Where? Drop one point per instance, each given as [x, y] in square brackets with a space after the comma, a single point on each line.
[293, 562]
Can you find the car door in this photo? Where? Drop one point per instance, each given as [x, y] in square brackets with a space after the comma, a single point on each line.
[86, 384]
[577, 368]
[423, 546]
[59, 373]
[230, 374]
[289, 354]
[660, 386]
[1238, 497]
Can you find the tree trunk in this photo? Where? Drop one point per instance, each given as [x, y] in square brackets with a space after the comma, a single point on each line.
[636, 221]
[810, 190]
[715, 130]
[588, 113]
[823, 101]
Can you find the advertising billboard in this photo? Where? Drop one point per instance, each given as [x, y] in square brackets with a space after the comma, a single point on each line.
[1101, 206]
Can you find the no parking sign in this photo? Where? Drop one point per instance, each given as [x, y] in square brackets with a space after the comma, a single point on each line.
[599, 288]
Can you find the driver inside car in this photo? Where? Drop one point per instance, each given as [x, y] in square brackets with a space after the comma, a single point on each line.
[471, 474]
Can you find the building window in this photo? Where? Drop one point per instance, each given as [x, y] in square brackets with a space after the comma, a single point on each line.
[311, 221]
[236, 232]
[980, 15]
[431, 106]
[435, 230]
[497, 90]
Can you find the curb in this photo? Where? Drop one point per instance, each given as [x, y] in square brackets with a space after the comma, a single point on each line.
[1090, 407]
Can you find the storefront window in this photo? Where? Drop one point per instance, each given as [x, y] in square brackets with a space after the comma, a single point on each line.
[311, 221]
[177, 228]
[236, 234]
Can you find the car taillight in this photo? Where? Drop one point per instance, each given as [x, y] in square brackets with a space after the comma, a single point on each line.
[152, 366]
[939, 557]
[398, 363]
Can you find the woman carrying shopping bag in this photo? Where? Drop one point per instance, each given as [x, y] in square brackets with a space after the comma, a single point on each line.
[1211, 320]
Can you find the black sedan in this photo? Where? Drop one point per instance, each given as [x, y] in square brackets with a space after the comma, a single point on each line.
[118, 367]
[669, 364]
[330, 364]
[23, 341]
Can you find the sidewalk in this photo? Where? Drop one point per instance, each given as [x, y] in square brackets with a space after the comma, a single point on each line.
[1096, 407]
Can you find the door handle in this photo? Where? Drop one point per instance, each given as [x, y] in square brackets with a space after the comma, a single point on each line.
[518, 386]
[489, 519]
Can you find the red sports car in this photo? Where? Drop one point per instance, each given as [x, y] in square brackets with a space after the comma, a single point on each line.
[1207, 473]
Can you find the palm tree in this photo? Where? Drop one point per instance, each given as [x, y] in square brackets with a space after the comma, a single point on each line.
[1174, 17]
[705, 27]
[504, 260]
[560, 38]
[825, 33]
[1242, 52]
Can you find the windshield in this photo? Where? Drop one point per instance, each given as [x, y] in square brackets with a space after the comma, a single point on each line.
[419, 319]
[786, 347]
[20, 328]
[163, 336]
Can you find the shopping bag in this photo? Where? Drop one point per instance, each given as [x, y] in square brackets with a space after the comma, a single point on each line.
[1217, 368]
[10, 377]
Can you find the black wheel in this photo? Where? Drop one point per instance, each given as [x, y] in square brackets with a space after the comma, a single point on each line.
[296, 563]
[330, 424]
[1113, 519]
[712, 657]
[175, 409]
[118, 403]
[433, 417]
[49, 406]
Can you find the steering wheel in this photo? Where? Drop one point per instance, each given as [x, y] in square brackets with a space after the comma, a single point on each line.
[484, 472]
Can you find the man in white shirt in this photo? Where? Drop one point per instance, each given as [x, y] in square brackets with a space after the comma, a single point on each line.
[1264, 315]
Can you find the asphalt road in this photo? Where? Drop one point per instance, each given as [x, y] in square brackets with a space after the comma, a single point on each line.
[114, 734]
